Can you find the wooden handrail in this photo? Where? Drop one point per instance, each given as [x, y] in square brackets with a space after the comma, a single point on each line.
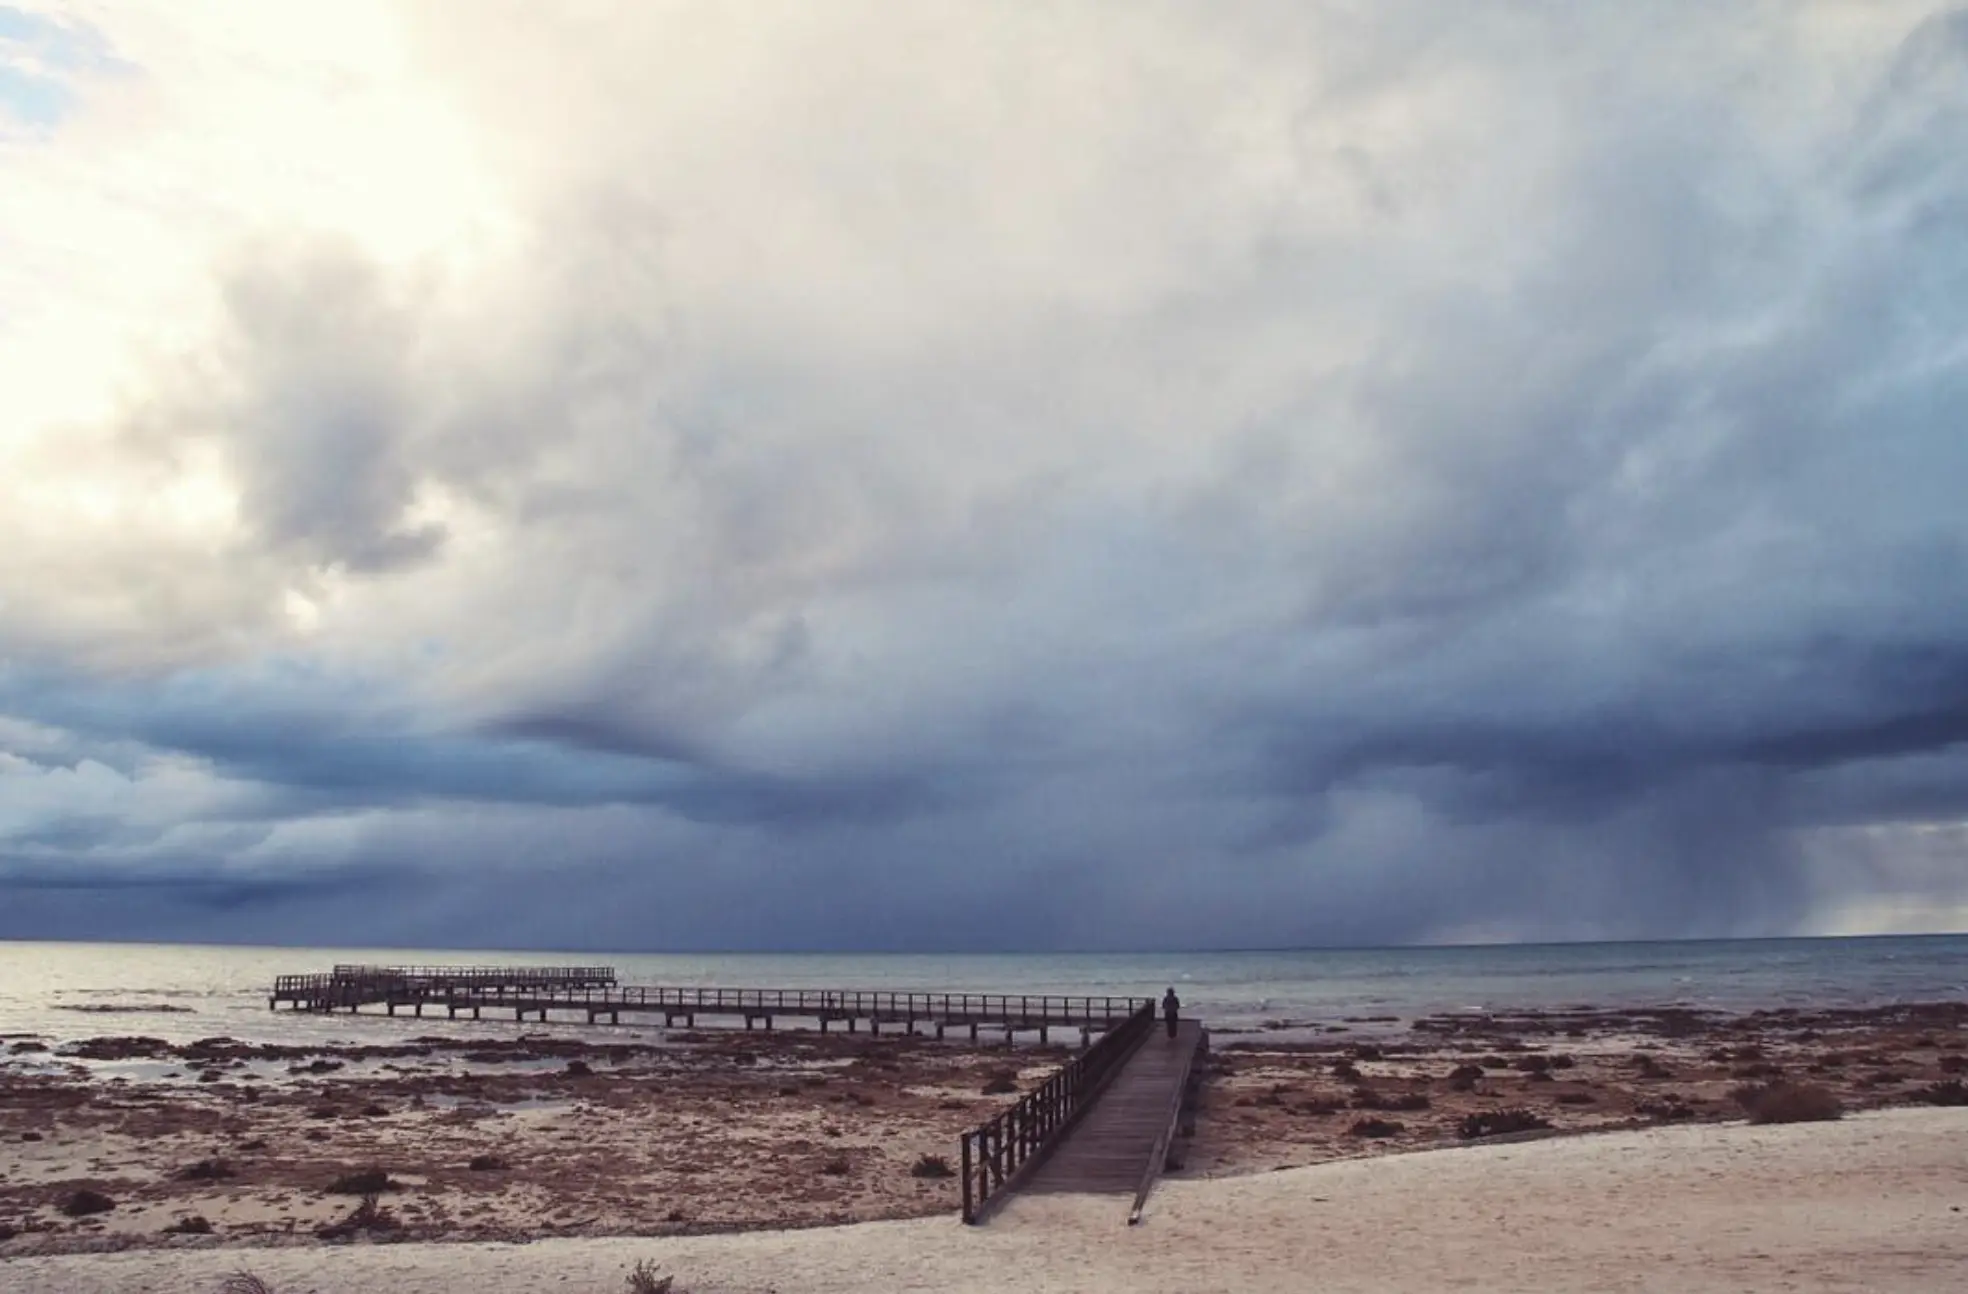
[994, 1153]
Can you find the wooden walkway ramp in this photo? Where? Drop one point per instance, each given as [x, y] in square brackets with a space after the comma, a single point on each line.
[1118, 1145]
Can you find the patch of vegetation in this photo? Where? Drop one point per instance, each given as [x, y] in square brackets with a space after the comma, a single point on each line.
[369, 1215]
[1365, 1098]
[370, 1181]
[835, 1167]
[1948, 1092]
[1788, 1103]
[1651, 1068]
[85, 1203]
[1376, 1128]
[206, 1170]
[195, 1225]
[1463, 1078]
[1497, 1123]
[244, 1282]
[579, 1069]
[487, 1164]
[1576, 1098]
[643, 1279]
[1347, 1070]
[1670, 1109]
[932, 1166]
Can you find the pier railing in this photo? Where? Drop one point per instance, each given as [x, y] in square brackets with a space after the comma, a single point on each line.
[994, 1153]
[594, 989]
[466, 976]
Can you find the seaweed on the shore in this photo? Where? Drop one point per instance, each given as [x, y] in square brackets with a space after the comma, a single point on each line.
[1496, 1123]
[369, 1181]
[1948, 1092]
[1781, 1102]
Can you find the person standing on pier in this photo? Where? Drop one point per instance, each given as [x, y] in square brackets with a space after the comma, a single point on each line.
[1171, 1009]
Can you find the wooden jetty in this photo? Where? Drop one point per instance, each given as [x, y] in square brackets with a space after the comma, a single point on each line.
[1103, 1123]
[593, 994]
[1107, 1129]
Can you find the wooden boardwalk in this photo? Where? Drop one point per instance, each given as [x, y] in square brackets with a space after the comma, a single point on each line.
[591, 993]
[1117, 1146]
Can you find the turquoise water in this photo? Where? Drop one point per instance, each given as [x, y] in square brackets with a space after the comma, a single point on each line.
[223, 989]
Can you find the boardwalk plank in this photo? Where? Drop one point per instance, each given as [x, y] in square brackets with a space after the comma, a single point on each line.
[1108, 1151]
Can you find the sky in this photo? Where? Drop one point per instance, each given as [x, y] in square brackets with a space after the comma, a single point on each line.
[1091, 475]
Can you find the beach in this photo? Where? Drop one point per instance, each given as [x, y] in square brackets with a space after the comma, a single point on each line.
[121, 1141]
[1873, 1202]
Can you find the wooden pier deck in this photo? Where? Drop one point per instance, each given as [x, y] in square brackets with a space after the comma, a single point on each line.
[591, 994]
[1118, 1146]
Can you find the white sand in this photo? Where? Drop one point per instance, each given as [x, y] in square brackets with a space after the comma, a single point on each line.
[1873, 1203]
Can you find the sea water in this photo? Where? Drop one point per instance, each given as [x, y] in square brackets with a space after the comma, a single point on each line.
[49, 989]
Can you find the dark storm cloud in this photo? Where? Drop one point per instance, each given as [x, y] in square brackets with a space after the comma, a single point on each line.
[1368, 479]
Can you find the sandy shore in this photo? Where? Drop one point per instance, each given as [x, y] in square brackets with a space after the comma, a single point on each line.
[1871, 1203]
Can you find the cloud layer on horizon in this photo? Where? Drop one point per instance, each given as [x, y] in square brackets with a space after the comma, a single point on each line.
[1105, 475]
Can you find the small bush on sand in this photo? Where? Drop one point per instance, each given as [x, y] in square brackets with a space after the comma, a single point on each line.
[195, 1225]
[579, 1069]
[244, 1283]
[370, 1181]
[1953, 1064]
[1788, 1103]
[1951, 1092]
[1463, 1078]
[642, 1279]
[1365, 1098]
[369, 1215]
[1347, 1070]
[1496, 1123]
[932, 1166]
[1375, 1128]
[487, 1164]
[1576, 1098]
[85, 1202]
[836, 1167]
[205, 1170]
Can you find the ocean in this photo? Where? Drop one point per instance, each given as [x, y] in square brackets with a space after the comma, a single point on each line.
[58, 991]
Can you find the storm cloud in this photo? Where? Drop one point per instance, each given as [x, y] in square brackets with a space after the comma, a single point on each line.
[1088, 475]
